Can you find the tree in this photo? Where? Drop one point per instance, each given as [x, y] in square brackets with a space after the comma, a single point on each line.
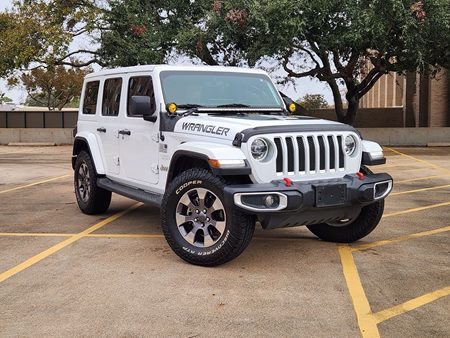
[349, 43]
[55, 87]
[4, 99]
[313, 101]
[40, 32]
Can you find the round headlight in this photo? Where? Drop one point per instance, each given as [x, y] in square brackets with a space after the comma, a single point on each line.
[259, 149]
[350, 145]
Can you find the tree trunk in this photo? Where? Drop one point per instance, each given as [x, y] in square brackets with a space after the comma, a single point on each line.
[352, 109]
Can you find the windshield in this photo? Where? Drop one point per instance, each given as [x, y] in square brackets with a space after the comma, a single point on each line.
[216, 89]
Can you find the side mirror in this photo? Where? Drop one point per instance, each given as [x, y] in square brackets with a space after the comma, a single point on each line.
[142, 106]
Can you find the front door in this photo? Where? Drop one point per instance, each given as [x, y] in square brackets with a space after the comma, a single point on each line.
[108, 127]
[139, 140]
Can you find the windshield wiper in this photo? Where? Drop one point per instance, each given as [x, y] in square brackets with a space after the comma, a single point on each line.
[192, 108]
[189, 105]
[234, 105]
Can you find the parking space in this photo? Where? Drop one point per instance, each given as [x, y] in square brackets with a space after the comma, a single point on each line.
[63, 273]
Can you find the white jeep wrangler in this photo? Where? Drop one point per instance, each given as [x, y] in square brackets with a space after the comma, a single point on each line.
[217, 150]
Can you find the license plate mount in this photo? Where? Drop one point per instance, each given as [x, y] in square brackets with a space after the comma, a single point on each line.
[331, 195]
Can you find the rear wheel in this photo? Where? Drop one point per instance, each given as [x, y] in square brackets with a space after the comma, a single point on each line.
[197, 224]
[91, 199]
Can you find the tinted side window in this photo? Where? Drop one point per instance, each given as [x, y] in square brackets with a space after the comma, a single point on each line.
[91, 97]
[141, 86]
[111, 97]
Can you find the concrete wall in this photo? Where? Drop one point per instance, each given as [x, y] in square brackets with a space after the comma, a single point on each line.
[384, 136]
[407, 136]
[38, 119]
[36, 135]
[369, 117]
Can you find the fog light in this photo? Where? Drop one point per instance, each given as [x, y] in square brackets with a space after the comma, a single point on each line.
[271, 201]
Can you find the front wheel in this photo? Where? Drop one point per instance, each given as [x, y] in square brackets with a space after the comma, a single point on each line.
[197, 224]
[347, 231]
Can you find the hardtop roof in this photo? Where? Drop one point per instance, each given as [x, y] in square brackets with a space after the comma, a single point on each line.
[151, 68]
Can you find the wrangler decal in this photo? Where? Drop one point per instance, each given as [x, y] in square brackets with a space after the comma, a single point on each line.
[208, 129]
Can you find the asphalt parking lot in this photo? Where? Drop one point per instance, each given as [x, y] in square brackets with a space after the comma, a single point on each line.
[63, 273]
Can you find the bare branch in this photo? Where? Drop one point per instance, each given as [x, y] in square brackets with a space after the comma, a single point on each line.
[79, 51]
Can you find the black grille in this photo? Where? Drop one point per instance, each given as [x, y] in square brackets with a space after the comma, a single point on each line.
[279, 155]
[320, 147]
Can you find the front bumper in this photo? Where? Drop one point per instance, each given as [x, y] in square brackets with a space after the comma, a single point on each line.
[309, 202]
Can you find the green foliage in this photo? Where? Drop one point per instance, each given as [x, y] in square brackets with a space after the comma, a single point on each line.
[349, 43]
[4, 98]
[40, 32]
[313, 101]
[55, 88]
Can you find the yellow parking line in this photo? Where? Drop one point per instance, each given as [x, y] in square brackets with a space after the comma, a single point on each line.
[414, 169]
[125, 236]
[366, 322]
[34, 234]
[366, 246]
[420, 160]
[37, 258]
[418, 190]
[33, 184]
[411, 305]
[417, 209]
[420, 179]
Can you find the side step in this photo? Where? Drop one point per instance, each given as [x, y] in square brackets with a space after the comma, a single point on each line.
[133, 193]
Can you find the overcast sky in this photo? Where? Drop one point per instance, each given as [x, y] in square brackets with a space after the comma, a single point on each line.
[302, 86]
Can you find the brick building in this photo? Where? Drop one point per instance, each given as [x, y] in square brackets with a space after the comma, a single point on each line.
[425, 102]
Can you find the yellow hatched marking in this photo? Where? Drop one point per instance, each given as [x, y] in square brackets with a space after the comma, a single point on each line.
[419, 190]
[33, 184]
[438, 205]
[420, 179]
[366, 322]
[420, 160]
[44, 254]
[410, 305]
[366, 246]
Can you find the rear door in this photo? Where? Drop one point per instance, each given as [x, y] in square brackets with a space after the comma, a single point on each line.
[139, 144]
[108, 126]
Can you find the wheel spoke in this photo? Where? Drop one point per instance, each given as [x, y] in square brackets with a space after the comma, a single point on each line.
[201, 193]
[217, 205]
[181, 219]
[220, 226]
[207, 241]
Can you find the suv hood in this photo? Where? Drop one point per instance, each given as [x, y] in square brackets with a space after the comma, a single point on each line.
[227, 126]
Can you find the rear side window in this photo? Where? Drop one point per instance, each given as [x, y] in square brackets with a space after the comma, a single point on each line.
[140, 86]
[111, 97]
[91, 97]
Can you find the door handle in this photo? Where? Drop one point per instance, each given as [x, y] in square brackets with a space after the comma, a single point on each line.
[125, 132]
[101, 130]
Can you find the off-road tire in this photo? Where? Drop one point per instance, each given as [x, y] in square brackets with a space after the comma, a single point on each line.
[363, 225]
[360, 227]
[98, 199]
[239, 227]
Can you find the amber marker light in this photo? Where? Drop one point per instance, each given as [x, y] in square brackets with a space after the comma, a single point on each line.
[292, 107]
[171, 108]
[214, 163]
[226, 163]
